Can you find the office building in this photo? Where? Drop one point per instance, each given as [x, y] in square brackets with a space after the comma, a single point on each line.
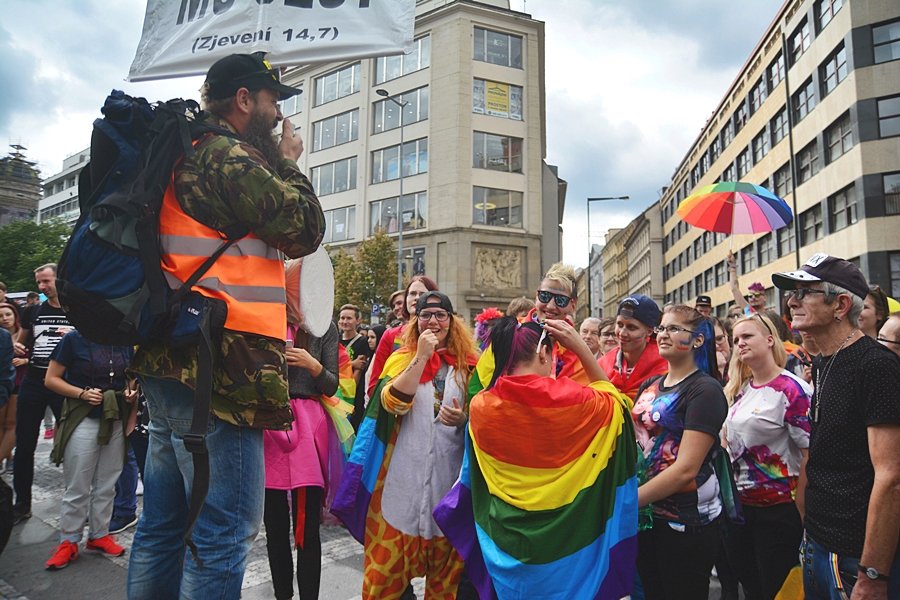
[60, 201]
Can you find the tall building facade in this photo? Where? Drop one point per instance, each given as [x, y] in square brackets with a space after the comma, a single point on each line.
[632, 261]
[461, 173]
[814, 116]
[60, 201]
[20, 187]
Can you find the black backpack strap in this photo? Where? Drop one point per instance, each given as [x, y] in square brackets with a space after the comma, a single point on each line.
[195, 441]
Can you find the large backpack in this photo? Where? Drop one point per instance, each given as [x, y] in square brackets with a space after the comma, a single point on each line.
[110, 279]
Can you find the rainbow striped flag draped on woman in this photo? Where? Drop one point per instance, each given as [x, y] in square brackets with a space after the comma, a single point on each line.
[546, 503]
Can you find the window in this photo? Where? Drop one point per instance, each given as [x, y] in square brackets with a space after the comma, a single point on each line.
[838, 138]
[337, 84]
[498, 48]
[497, 152]
[760, 146]
[721, 271]
[708, 280]
[807, 162]
[811, 225]
[825, 11]
[775, 71]
[886, 41]
[383, 213]
[779, 124]
[386, 113]
[727, 134]
[728, 173]
[335, 177]
[392, 67]
[740, 117]
[803, 100]
[748, 258]
[385, 162]
[889, 116]
[787, 240]
[715, 149]
[497, 99]
[695, 175]
[833, 70]
[291, 106]
[340, 224]
[704, 164]
[842, 209]
[781, 181]
[336, 130]
[895, 274]
[799, 41]
[743, 163]
[758, 95]
[891, 183]
[767, 249]
[502, 208]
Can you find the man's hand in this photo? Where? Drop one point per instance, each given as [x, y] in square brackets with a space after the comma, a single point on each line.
[452, 417]
[291, 145]
[866, 589]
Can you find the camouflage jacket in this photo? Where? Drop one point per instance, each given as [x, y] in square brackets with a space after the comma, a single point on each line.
[225, 184]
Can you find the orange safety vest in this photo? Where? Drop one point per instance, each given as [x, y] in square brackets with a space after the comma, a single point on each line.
[248, 277]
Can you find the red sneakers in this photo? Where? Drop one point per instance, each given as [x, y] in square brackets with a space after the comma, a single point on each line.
[106, 545]
[65, 553]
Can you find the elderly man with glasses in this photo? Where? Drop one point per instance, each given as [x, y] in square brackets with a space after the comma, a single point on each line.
[852, 515]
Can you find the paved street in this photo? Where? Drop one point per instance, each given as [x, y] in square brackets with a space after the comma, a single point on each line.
[22, 574]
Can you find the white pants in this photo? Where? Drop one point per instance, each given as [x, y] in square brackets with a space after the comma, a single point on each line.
[90, 472]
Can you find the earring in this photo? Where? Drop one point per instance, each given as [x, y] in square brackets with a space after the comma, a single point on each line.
[837, 318]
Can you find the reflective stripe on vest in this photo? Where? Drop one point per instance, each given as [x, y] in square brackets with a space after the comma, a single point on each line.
[248, 277]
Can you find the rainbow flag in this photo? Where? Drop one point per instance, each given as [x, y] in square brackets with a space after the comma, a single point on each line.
[546, 503]
[374, 444]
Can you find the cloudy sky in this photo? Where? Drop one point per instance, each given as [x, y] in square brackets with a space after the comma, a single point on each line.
[629, 84]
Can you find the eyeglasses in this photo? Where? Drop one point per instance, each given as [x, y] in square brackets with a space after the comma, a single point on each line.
[756, 294]
[881, 339]
[801, 293]
[441, 315]
[671, 329]
[561, 300]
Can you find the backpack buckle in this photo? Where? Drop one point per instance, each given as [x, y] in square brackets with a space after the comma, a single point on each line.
[195, 443]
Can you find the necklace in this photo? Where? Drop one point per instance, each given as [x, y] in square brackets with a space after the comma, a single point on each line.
[822, 375]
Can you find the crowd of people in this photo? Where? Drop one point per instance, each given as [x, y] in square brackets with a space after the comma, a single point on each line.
[519, 458]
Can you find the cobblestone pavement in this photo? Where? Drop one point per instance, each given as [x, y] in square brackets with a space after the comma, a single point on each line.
[22, 574]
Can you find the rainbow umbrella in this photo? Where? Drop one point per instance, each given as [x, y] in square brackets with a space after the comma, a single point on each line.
[735, 207]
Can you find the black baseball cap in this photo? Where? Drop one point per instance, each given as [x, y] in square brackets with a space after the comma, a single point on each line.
[251, 71]
[435, 299]
[703, 301]
[822, 267]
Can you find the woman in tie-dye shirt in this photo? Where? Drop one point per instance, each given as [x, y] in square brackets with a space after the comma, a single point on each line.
[767, 435]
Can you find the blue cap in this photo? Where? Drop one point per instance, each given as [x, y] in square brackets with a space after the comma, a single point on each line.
[642, 308]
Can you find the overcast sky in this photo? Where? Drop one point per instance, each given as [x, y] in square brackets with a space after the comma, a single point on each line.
[629, 84]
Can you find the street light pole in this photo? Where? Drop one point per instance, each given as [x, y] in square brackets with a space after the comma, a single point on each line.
[591, 246]
[402, 104]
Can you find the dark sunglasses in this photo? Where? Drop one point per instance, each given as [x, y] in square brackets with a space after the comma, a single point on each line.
[801, 293]
[561, 300]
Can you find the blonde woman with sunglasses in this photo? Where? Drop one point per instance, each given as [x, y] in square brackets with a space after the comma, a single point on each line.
[767, 436]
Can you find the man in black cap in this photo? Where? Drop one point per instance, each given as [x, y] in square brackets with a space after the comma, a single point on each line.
[240, 185]
[703, 305]
[850, 500]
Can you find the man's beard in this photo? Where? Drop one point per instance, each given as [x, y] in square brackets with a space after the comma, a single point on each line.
[259, 135]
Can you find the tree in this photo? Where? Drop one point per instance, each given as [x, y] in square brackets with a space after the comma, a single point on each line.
[367, 277]
[26, 246]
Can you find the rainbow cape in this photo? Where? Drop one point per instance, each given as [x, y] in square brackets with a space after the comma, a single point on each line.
[340, 406]
[374, 444]
[546, 503]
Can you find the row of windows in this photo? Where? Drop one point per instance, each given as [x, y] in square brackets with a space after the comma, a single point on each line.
[490, 151]
[492, 47]
[499, 208]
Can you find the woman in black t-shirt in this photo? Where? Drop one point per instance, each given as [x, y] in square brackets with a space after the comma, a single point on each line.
[677, 419]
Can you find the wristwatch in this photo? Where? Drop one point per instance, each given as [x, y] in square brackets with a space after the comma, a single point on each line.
[873, 574]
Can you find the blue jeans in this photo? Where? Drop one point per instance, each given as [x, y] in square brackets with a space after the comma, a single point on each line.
[820, 582]
[160, 566]
[126, 488]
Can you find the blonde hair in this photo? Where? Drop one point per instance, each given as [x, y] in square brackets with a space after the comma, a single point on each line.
[564, 275]
[460, 345]
[738, 372]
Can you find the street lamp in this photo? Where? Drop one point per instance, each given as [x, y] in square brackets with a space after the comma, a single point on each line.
[591, 247]
[402, 104]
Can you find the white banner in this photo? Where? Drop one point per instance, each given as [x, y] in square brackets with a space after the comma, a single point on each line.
[185, 37]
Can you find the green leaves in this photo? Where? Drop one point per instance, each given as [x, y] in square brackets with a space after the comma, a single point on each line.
[367, 277]
[26, 246]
